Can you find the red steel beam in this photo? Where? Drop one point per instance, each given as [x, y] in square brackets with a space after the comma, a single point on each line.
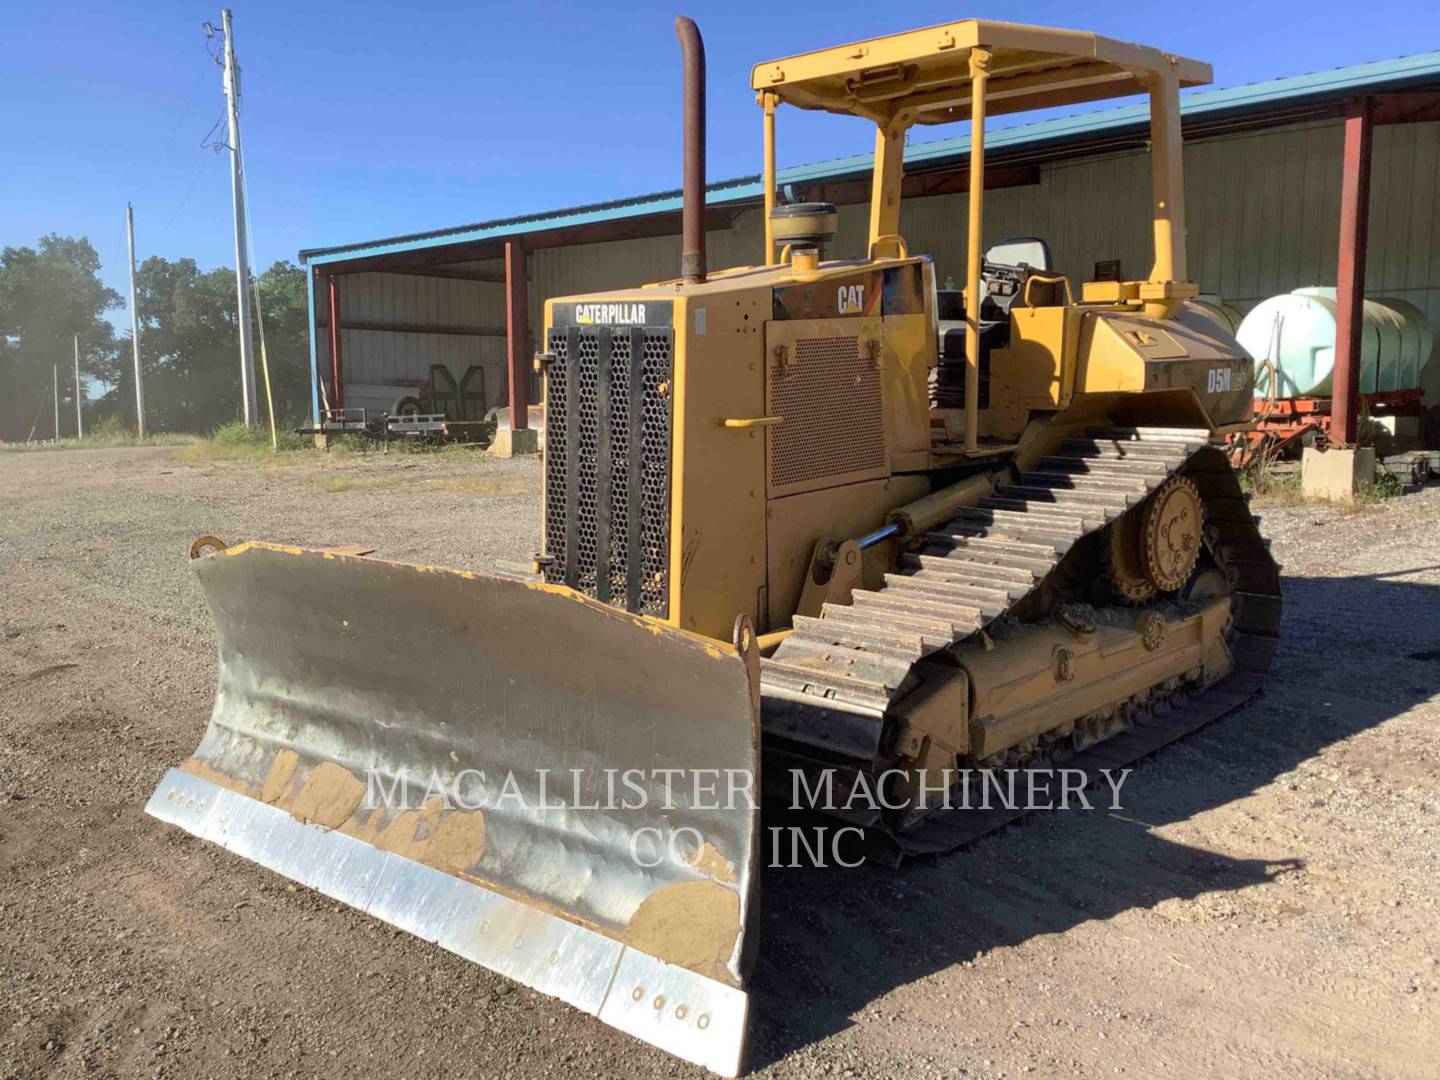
[1406, 107]
[517, 326]
[337, 386]
[1350, 274]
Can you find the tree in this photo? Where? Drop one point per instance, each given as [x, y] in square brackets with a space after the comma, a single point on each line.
[48, 294]
[190, 349]
[286, 310]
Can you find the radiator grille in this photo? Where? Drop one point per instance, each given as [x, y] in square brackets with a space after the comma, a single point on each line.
[607, 464]
[828, 394]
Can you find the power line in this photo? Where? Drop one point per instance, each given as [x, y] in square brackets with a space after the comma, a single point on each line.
[194, 179]
[210, 60]
[210, 142]
[189, 101]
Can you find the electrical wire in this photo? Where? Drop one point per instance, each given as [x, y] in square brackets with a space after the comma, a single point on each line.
[185, 113]
[210, 61]
[194, 179]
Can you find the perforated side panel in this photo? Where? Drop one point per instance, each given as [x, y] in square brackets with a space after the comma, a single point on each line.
[583, 375]
[607, 467]
[828, 395]
[557, 388]
[619, 452]
[655, 485]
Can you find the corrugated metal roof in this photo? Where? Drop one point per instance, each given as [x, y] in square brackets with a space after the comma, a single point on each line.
[1371, 77]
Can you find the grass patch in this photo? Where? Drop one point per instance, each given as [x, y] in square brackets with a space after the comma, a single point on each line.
[236, 442]
[335, 483]
[109, 433]
[236, 433]
[360, 444]
[1271, 486]
[483, 485]
[1386, 485]
[167, 438]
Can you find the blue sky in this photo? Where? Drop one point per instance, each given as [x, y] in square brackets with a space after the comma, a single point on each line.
[370, 118]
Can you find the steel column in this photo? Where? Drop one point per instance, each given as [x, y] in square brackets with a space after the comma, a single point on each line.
[337, 387]
[974, 261]
[310, 275]
[768, 102]
[1350, 274]
[517, 334]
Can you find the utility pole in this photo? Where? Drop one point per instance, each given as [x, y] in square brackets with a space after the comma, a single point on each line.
[135, 328]
[237, 192]
[55, 379]
[79, 394]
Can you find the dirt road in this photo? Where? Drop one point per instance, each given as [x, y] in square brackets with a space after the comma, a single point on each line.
[1264, 905]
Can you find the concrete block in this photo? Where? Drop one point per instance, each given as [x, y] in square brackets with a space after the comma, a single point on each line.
[511, 443]
[1336, 475]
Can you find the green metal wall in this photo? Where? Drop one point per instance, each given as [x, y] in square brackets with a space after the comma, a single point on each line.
[1262, 212]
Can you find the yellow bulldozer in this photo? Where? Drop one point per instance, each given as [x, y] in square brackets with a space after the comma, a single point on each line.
[817, 512]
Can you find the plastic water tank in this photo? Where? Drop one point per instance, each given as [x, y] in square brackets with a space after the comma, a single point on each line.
[1297, 332]
[1225, 314]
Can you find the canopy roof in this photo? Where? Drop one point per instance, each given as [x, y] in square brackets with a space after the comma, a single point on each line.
[927, 72]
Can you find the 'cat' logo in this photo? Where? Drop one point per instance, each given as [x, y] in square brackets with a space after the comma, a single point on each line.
[850, 298]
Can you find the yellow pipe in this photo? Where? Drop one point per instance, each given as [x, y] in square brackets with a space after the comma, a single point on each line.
[979, 73]
[767, 102]
[269, 397]
[1166, 166]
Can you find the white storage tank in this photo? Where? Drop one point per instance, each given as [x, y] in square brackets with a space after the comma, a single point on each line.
[1226, 315]
[1297, 332]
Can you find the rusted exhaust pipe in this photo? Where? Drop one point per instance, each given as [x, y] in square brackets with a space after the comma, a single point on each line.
[692, 49]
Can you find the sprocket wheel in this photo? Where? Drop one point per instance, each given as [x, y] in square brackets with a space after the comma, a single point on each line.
[1170, 531]
[1123, 564]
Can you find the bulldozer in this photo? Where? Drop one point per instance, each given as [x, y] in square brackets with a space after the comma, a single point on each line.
[817, 514]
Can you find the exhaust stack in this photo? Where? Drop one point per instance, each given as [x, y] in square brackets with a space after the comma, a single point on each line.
[692, 49]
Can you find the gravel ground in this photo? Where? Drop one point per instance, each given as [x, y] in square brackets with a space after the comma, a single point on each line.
[1265, 904]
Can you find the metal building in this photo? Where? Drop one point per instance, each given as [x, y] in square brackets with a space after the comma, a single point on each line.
[445, 316]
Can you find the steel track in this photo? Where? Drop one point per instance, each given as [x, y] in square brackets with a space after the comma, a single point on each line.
[828, 690]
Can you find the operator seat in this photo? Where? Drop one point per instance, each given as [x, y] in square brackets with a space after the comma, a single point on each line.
[1006, 268]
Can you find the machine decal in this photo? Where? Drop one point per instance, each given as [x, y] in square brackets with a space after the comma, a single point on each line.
[613, 313]
[1223, 379]
[1224, 388]
[610, 314]
[892, 291]
[904, 291]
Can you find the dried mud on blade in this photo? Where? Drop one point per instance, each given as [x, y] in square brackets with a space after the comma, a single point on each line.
[589, 864]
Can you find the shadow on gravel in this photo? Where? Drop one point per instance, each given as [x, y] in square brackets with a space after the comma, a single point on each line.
[833, 940]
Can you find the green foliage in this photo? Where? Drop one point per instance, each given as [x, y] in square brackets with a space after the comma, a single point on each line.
[233, 441]
[189, 341]
[235, 433]
[1269, 483]
[1387, 485]
[111, 429]
[189, 345]
[48, 294]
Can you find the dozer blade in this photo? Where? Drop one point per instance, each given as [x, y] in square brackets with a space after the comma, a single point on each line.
[559, 791]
